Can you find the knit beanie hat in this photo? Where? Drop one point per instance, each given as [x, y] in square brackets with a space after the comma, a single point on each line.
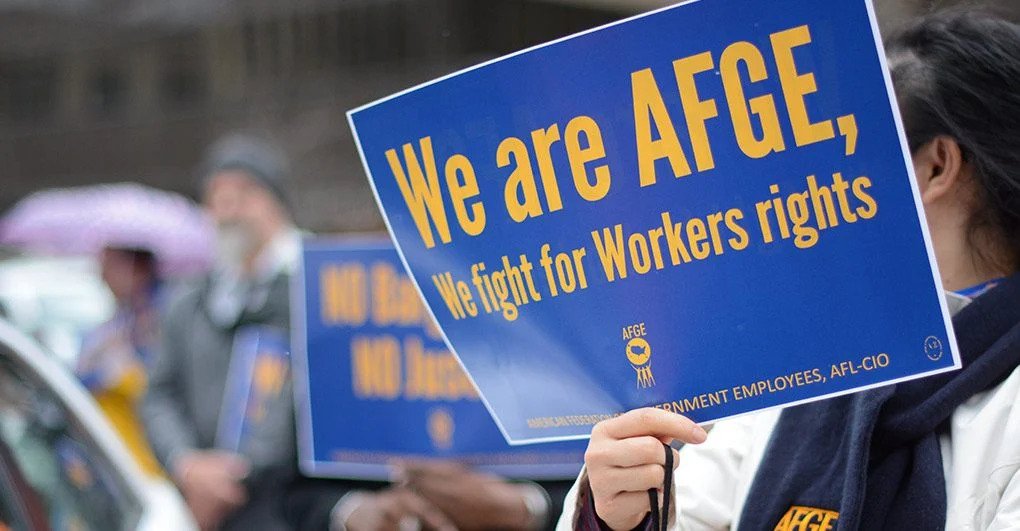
[256, 156]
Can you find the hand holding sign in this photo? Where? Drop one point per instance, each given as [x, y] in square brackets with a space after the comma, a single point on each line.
[211, 482]
[625, 459]
[391, 509]
[474, 500]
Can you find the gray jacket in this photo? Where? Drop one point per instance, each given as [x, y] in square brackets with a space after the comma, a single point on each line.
[182, 407]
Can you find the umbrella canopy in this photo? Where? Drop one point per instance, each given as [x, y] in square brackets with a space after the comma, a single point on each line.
[85, 220]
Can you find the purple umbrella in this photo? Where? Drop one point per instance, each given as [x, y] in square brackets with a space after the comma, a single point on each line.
[85, 220]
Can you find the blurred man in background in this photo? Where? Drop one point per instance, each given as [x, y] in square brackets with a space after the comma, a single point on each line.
[244, 190]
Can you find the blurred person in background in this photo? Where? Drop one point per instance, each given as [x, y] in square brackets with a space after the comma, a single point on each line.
[116, 357]
[244, 190]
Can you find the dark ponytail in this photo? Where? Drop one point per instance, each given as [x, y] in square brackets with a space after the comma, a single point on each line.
[957, 73]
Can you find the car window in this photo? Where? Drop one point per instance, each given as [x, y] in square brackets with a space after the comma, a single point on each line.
[72, 480]
[13, 509]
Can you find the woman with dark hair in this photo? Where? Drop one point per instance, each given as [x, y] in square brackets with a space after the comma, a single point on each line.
[115, 357]
[938, 453]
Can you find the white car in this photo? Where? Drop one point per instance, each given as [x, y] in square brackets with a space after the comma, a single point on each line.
[61, 464]
[54, 299]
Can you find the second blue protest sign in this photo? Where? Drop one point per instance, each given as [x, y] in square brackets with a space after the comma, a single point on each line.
[707, 209]
[376, 383]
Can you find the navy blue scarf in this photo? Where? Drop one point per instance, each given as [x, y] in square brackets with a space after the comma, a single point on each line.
[872, 460]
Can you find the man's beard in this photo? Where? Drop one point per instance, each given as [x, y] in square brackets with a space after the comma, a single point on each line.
[234, 244]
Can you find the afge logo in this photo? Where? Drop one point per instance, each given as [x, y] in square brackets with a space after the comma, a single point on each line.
[800, 518]
[639, 354]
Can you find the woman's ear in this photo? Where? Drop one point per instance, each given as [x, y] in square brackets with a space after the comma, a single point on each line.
[940, 167]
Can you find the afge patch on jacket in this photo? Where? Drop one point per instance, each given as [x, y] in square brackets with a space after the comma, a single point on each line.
[801, 518]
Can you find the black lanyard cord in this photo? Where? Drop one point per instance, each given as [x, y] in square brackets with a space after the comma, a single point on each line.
[660, 522]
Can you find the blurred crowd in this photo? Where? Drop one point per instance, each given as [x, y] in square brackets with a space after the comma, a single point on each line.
[185, 280]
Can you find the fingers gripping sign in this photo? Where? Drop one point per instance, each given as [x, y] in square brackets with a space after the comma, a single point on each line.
[625, 459]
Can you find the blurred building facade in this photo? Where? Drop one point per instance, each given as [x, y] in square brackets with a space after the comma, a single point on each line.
[114, 90]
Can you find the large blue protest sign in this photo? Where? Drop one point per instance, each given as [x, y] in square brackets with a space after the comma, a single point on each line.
[375, 382]
[708, 209]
